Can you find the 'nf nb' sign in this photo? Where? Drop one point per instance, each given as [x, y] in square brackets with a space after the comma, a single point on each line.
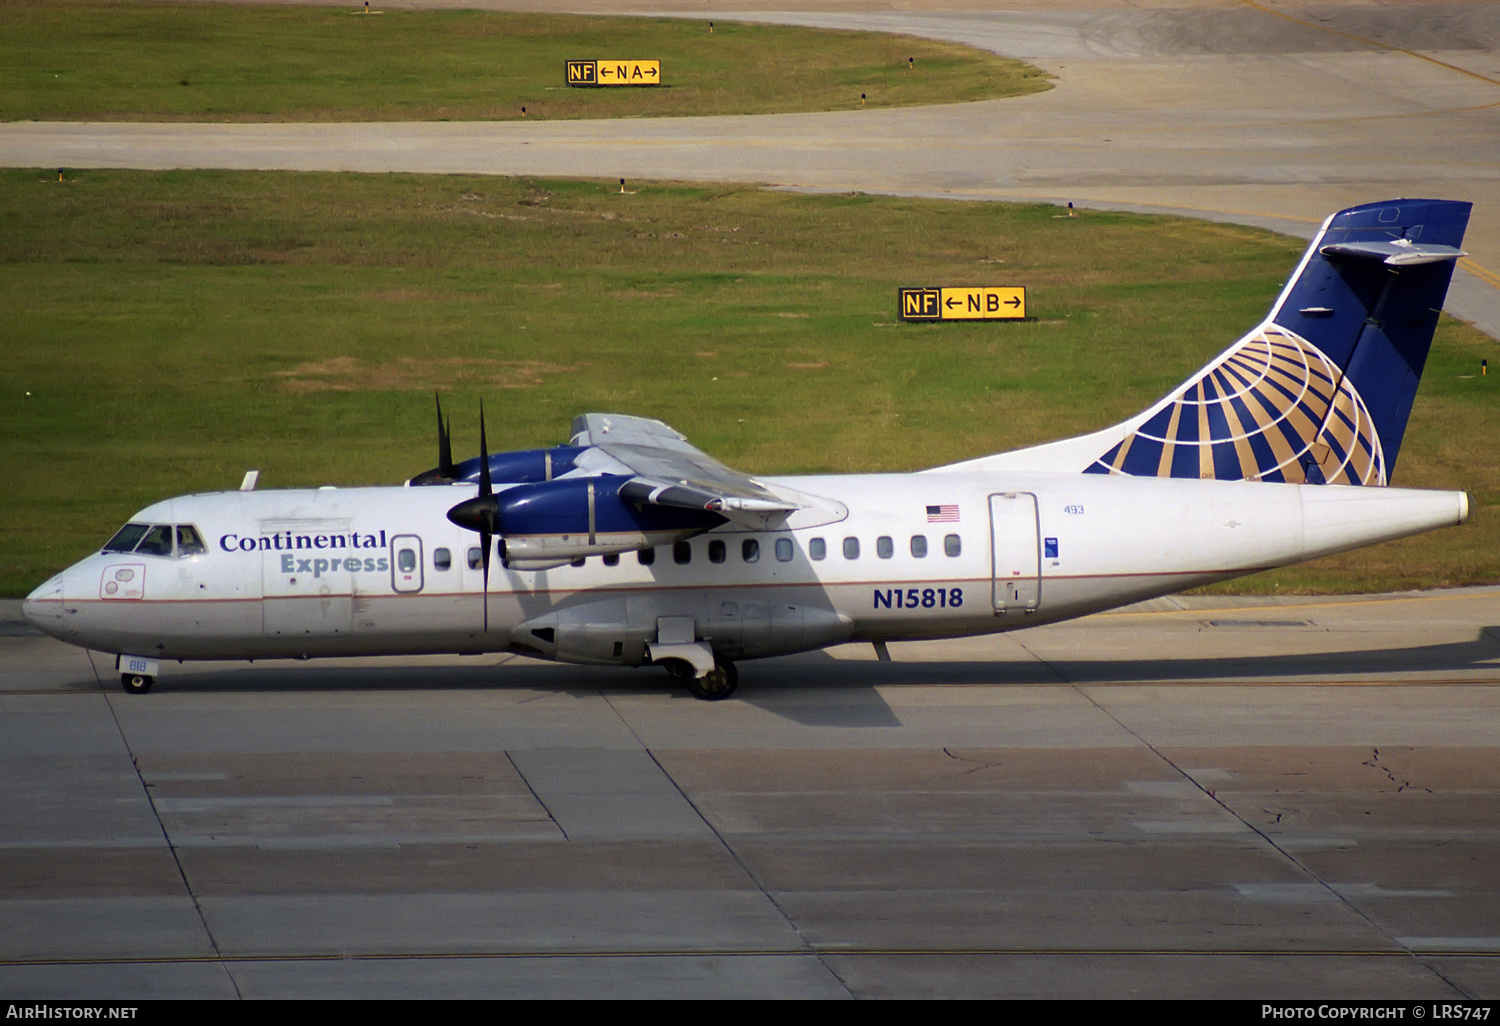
[977, 303]
[614, 73]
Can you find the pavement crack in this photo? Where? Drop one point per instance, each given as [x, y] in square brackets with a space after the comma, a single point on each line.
[750, 875]
[172, 848]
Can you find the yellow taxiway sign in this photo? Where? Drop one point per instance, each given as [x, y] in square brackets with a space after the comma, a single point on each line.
[602, 72]
[963, 303]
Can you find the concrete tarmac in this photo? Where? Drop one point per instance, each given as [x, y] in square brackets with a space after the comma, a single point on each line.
[1238, 111]
[1203, 797]
[1206, 798]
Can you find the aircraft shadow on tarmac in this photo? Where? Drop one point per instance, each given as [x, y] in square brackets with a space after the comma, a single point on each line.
[794, 687]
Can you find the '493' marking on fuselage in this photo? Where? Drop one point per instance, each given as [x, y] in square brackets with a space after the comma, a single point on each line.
[919, 598]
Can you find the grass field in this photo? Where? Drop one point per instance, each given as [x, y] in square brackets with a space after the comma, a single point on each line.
[176, 329]
[92, 60]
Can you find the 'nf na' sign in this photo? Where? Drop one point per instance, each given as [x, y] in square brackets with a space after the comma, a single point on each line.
[614, 73]
[968, 303]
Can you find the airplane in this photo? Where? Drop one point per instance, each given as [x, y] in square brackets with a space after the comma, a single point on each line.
[629, 546]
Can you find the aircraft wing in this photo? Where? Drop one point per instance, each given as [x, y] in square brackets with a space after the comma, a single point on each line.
[666, 469]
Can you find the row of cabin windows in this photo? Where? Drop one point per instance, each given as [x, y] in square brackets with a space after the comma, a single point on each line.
[718, 551]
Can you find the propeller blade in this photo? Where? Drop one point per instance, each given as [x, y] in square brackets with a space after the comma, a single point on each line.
[486, 539]
[445, 444]
[481, 514]
[488, 515]
[486, 487]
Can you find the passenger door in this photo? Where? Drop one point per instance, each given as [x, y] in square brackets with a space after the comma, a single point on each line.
[1016, 555]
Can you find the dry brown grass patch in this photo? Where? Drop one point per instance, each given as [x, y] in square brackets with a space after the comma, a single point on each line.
[349, 374]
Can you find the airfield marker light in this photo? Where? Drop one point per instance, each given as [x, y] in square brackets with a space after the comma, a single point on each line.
[1484, 368]
[1070, 208]
[622, 186]
[59, 174]
[861, 99]
[710, 28]
[523, 112]
[911, 64]
[367, 6]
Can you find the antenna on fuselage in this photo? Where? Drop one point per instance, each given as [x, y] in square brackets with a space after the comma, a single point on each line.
[248, 485]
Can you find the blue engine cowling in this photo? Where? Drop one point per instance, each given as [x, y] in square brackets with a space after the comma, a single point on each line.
[558, 521]
[523, 466]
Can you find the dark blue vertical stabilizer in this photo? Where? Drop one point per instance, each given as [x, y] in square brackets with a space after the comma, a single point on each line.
[1368, 296]
[1320, 391]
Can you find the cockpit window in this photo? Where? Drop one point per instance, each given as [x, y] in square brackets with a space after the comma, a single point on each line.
[158, 541]
[125, 538]
[188, 542]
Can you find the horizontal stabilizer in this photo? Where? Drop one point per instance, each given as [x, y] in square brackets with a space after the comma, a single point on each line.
[1396, 252]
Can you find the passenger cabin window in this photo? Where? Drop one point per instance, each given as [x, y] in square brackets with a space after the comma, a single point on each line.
[476, 558]
[817, 549]
[951, 545]
[716, 551]
[884, 547]
[919, 546]
[682, 552]
[750, 550]
[784, 550]
[442, 559]
[646, 556]
[851, 548]
[188, 541]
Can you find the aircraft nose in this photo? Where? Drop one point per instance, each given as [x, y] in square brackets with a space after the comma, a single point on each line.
[43, 608]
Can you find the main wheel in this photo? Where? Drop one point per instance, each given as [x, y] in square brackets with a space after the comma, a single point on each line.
[136, 683]
[678, 669]
[717, 684]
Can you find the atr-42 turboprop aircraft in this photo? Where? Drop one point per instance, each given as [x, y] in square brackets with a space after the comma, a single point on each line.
[629, 546]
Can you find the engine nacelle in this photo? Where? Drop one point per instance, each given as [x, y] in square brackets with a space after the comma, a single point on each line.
[523, 466]
[555, 521]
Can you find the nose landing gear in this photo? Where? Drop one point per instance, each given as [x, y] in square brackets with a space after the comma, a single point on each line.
[136, 683]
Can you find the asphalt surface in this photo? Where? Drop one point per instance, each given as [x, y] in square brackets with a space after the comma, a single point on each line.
[1252, 799]
[1268, 799]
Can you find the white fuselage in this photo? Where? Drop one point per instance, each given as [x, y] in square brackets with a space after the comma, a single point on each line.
[360, 571]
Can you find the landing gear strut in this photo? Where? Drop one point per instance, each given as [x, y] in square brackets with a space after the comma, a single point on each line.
[136, 683]
[717, 684]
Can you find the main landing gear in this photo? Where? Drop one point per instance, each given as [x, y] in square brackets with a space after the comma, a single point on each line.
[136, 683]
[717, 684]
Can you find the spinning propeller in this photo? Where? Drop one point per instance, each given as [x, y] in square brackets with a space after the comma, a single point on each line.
[481, 513]
[445, 471]
[445, 436]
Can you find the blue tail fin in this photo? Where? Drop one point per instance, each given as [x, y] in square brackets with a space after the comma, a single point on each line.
[1321, 391]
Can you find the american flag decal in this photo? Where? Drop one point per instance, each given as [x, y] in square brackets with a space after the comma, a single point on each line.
[942, 514]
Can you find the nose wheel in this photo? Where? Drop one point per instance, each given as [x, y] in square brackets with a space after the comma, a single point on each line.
[717, 684]
[136, 683]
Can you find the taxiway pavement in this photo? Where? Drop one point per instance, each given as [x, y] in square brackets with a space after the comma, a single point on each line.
[1226, 798]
